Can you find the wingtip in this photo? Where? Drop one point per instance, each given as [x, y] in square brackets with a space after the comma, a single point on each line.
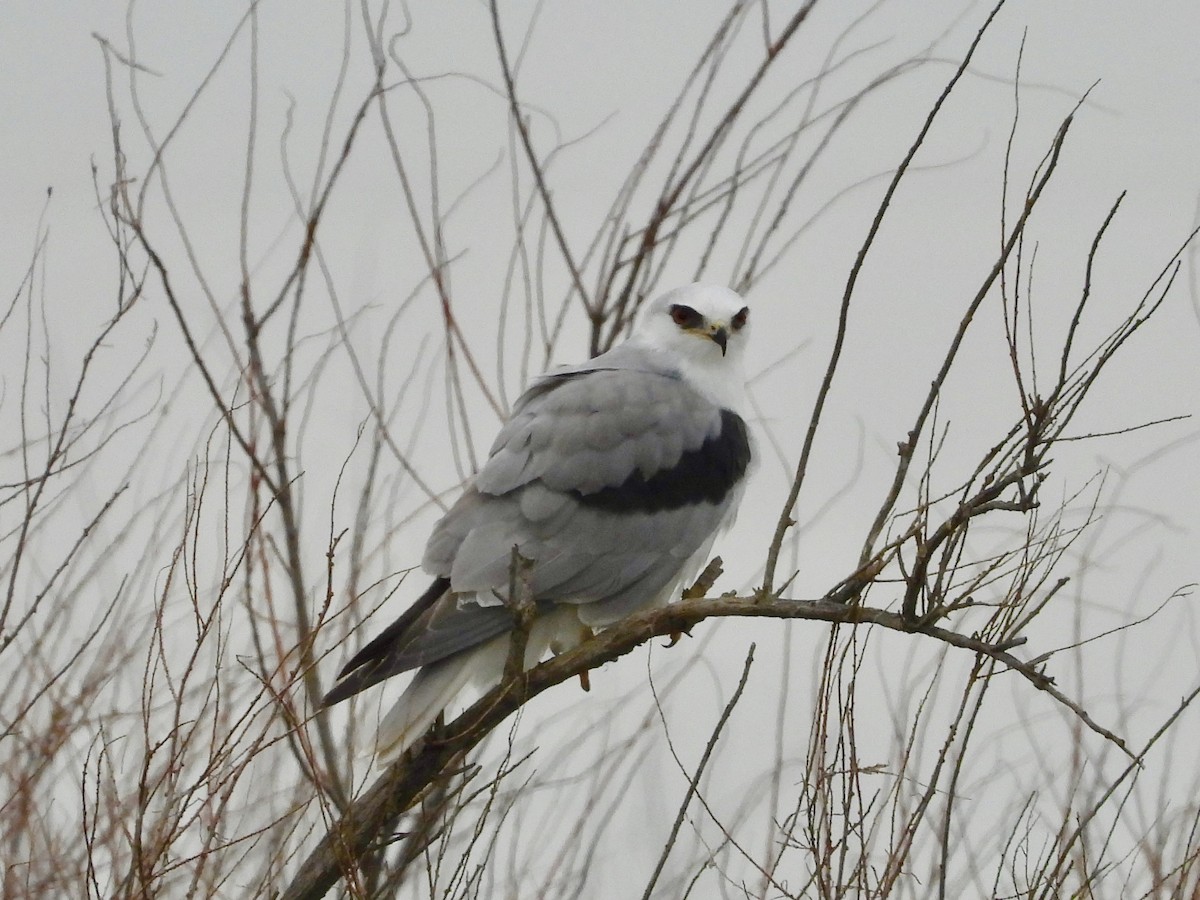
[332, 698]
[348, 684]
[358, 672]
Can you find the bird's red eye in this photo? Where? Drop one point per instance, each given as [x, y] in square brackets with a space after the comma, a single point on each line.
[685, 316]
[739, 321]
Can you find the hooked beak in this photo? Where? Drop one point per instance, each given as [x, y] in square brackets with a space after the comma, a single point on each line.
[720, 336]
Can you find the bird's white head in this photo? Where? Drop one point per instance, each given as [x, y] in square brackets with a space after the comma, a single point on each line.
[703, 328]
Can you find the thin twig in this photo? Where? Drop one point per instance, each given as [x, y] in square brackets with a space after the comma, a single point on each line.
[785, 517]
[693, 785]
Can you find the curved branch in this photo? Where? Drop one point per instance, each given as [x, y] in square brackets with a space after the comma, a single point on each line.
[374, 814]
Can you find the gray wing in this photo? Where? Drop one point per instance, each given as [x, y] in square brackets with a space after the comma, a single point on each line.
[610, 480]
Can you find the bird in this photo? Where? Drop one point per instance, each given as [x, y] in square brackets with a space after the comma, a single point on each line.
[612, 477]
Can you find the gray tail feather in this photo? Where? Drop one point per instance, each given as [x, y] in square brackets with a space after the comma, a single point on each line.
[434, 688]
[437, 685]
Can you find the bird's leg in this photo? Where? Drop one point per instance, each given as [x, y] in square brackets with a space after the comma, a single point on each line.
[572, 640]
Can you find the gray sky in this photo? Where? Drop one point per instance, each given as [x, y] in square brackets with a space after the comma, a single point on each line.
[599, 82]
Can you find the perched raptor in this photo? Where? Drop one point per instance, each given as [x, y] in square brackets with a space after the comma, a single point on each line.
[613, 477]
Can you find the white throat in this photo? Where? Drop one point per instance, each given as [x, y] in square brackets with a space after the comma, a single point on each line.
[719, 379]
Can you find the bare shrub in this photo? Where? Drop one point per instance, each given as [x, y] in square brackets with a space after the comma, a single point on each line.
[219, 493]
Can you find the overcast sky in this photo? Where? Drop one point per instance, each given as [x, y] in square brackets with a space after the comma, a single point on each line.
[598, 77]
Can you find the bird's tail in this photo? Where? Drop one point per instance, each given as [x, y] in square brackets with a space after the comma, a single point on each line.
[481, 668]
[434, 688]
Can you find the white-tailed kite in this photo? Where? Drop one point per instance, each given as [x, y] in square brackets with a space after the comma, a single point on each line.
[613, 477]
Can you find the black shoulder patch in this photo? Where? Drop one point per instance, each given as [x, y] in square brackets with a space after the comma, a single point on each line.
[704, 475]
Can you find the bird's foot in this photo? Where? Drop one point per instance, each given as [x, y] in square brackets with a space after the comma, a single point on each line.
[677, 636]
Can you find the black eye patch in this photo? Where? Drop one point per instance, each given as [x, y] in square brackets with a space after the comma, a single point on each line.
[739, 321]
[685, 316]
